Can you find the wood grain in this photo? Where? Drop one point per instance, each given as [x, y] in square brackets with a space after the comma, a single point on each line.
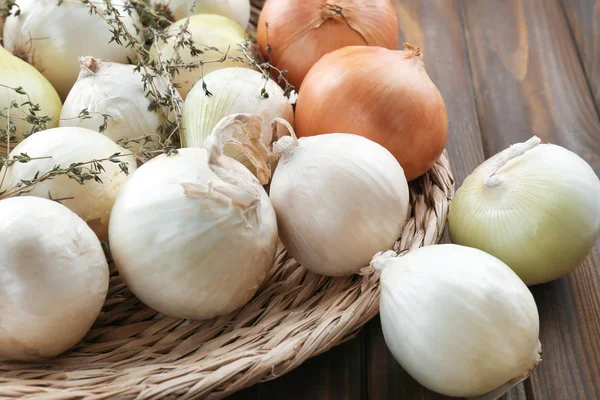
[584, 20]
[529, 80]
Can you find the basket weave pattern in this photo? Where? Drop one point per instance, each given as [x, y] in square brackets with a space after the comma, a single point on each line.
[133, 352]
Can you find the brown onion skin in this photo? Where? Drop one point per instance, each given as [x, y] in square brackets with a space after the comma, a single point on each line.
[381, 94]
[300, 32]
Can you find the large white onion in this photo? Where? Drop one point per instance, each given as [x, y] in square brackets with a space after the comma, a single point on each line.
[534, 206]
[53, 278]
[62, 33]
[235, 90]
[206, 30]
[237, 10]
[115, 89]
[92, 201]
[193, 234]
[15, 73]
[339, 199]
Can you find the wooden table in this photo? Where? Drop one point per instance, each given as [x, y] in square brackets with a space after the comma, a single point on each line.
[507, 70]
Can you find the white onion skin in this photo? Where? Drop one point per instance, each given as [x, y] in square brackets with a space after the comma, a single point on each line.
[339, 199]
[235, 90]
[92, 201]
[237, 10]
[458, 320]
[15, 72]
[53, 278]
[542, 221]
[205, 30]
[69, 32]
[115, 89]
[184, 256]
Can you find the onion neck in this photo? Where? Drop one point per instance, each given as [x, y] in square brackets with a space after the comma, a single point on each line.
[287, 142]
[514, 151]
[333, 11]
[90, 65]
[383, 259]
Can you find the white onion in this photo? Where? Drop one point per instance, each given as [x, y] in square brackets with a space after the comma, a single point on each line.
[458, 320]
[235, 90]
[53, 278]
[339, 199]
[237, 10]
[63, 33]
[92, 201]
[534, 206]
[193, 234]
[15, 73]
[206, 30]
[115, 89]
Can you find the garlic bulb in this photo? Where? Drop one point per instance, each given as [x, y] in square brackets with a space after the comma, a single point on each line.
[193, 234]
[15, 73]
[53, 278]
[115, 89]
[339, 199]
[69, 32]
[235, 90]
[91, 200]
[534, 206]
[209, 32]
[458, 320]
[237, 10]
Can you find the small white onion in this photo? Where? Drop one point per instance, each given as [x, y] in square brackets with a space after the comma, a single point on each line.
[115, 89]
[534, 206]
[458, 320]
[92, 201]
[15, 72]
[62, 33]
[206, 30]
[193, 234]
[339, 199]
[237, 10]
[53, 278]
[235, 90]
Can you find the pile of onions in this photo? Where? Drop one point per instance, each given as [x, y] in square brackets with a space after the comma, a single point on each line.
[237, 10]
[67, 29]
[209, 32]
[117, 90]
[15, 72]
[381, 94]
[295, 34]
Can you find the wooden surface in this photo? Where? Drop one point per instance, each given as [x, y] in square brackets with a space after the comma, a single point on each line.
[507, 69]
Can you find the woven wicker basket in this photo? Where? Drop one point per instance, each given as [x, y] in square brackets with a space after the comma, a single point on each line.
[134, 352]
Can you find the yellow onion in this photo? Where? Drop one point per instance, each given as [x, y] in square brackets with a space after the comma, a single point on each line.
[15, 72]
[383, 95]
[209, 32]
[534, 206]
[295, 34]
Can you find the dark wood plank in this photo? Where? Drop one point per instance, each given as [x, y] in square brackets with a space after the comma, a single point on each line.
[529, 80]
[584, 20]
[436, 27]
[337, 374]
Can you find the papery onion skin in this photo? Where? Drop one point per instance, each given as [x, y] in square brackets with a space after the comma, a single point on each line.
[237, 10]
[458, 320]
[383, 95]
[67, 30]
[53, 278]
[206, 30]
[15, 72]
[190, 256]
[542, 220]
[235, 90]
[92, 201]
[300, 32]
[115, 89]
[339, 199]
